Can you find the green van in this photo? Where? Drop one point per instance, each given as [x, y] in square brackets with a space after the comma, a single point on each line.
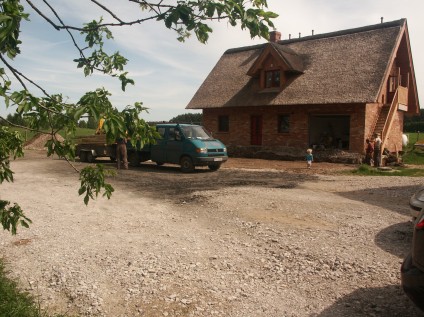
[187, 145]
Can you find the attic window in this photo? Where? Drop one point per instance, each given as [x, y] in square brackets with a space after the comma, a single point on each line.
[272, 79]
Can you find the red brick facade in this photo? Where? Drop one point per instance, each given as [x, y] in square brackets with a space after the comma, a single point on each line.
[361, 122]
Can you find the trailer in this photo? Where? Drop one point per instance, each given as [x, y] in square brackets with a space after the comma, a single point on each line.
[89, 148]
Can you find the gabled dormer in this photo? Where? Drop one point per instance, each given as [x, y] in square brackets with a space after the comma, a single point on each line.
[275, 66]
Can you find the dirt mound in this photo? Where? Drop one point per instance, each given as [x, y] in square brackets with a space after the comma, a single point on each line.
[38, 142]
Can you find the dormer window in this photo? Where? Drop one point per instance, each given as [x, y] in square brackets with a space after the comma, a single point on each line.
[275, 66]
[272, 79]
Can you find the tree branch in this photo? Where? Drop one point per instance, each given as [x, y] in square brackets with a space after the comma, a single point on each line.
[107, 10]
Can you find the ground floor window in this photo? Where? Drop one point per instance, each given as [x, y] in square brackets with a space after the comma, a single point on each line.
[223, 123]
[283, 123]
[329, 131]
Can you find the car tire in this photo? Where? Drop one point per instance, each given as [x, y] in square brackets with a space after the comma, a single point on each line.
[83, 156]
[187, 165]
[90, 157]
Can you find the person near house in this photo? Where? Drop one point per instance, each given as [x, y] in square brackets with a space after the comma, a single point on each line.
[121, 152]
[369, 151]
[377, 150]
[309, 158]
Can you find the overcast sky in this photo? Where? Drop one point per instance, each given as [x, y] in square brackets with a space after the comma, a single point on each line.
[168, 73]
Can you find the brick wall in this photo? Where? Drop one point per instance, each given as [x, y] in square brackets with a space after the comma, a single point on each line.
[394, 139]
[298, 136]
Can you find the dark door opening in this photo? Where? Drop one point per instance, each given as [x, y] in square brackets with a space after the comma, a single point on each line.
[256, 130]
[329, 132]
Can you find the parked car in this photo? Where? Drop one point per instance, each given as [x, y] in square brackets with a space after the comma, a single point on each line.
[416, 202]
[412, 270]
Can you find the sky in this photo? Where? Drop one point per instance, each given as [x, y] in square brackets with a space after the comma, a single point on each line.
[167, 73]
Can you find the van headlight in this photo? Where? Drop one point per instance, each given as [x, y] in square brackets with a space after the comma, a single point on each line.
[202, 150]
[225, 149]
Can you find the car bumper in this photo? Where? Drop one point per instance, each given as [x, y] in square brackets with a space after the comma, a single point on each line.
[412, 280]
[415, 210]
[211, 160]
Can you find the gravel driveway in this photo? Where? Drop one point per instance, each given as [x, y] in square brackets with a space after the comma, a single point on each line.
[247, 242]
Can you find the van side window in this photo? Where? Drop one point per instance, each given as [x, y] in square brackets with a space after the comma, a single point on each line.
[171, 134]
[161, 131]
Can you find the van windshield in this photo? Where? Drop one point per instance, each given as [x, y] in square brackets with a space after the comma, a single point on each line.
[196, 132]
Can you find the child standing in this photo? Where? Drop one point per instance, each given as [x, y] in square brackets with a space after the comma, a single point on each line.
[309, 158]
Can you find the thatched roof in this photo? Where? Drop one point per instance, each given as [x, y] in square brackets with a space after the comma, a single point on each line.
[341, 67]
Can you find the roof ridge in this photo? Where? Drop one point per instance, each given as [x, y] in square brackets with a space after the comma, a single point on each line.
[323, 35]
[346, 31]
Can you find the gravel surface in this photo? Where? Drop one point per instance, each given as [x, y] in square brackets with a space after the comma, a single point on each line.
[256, 238]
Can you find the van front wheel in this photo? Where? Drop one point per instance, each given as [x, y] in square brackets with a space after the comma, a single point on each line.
[187, 165]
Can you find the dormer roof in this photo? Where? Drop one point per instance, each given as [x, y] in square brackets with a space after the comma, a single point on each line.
[286, 59]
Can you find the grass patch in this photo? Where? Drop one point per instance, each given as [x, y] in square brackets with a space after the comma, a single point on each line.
[15, 303]
[366, 170]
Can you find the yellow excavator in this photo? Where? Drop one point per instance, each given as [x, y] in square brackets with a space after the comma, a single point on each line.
[99, 129]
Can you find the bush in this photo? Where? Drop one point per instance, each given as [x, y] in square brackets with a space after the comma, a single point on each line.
[413, 126]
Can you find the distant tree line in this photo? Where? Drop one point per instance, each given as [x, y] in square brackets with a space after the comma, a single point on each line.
[414, 124]
[91, 123]
[16, 119]
[194, 118]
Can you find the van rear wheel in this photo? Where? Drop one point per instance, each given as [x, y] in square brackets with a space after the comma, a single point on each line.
[187, 165]
[90, 157]
[83, 156]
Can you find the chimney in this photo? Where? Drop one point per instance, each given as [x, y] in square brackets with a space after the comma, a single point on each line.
[381, 19]
[312, 32]
[274, 36]
[289, 36]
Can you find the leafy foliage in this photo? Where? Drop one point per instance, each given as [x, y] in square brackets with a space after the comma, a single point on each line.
[42, 111]
[12, 216]
[10, 146]
[92, 182]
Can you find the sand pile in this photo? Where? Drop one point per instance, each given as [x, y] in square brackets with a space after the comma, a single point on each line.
[38, 141]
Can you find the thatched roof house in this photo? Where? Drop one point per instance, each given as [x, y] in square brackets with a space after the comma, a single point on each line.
[341, 86]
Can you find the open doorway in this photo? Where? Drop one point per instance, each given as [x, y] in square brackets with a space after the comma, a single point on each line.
[329, 132]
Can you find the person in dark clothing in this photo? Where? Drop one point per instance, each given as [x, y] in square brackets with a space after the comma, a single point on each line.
[369, 151]
[121, 152]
